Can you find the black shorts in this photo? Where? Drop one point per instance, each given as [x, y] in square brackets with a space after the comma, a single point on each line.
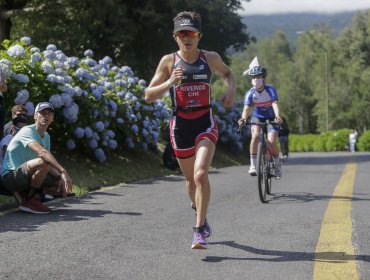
[185, 134]
[19, 180]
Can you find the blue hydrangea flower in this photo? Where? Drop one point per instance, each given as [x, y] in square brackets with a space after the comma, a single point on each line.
[89, 53]
[34, 50]
[49, 54]
[79, 132]
[88, 132]
[30, 108]
[22, 97]
[51, 47]
[120, 121]
[99, 126]
[21, 78]
[71, 62]
[47, 67]
[71, 144]
[134, 129]
[71, 113]
[112, 144]
[110, 133]
[67, 99]
[16, 51]
[100, 155]
[93, 143]
[35, 57]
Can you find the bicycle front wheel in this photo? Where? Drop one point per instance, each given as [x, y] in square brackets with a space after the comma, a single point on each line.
[261, 172]
[268, 177]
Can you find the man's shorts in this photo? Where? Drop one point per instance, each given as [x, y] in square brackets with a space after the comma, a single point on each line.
[19, 179]
[185, 134]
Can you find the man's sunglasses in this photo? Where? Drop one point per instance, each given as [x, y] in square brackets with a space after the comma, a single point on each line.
[183, 33]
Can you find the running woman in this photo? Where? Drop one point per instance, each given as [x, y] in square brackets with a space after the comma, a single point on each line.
[187, 74]
[264, 99]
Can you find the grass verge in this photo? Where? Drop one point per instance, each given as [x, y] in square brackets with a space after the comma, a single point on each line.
[88, 175]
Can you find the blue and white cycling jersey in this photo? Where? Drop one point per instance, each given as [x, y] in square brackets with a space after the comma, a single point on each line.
[262, 101]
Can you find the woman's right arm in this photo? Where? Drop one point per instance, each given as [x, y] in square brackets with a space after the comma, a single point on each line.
[161, 80]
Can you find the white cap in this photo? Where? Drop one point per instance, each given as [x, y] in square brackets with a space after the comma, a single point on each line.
[251, 65]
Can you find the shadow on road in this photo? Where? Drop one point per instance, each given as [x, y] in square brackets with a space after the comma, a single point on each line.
[17, 221]
[284, 256]
[327, 158]
[284, 198]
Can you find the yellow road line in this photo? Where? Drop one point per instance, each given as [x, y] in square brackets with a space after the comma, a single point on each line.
[335, 256]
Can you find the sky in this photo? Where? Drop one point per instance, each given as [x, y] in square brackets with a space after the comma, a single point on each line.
[255, 7]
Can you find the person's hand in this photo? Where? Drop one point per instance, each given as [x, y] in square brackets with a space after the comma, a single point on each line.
[278, 120]
[176, 75]
[242, 121]
[228, 100]
[65, 183]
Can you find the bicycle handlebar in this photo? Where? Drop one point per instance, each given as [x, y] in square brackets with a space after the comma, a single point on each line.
[266, 123]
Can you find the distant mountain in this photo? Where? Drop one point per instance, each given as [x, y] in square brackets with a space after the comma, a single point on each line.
[264, 26]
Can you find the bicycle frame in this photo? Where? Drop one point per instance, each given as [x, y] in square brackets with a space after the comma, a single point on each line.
[265, 163]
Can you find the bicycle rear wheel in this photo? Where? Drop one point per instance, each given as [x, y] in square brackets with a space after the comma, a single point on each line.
[261, 172]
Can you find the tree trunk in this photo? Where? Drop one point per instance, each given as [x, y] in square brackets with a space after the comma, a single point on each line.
[5, 25]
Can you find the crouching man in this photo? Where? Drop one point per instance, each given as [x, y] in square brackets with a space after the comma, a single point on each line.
[29, 166]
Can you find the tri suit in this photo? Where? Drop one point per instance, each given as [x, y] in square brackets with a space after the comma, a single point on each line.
[193, 118]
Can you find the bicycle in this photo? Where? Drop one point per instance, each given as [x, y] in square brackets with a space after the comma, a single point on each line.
[265, 163]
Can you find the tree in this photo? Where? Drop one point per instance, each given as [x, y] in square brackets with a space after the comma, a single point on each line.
[134, 32]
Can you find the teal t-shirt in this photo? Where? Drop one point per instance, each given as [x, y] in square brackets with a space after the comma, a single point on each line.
[18, 153]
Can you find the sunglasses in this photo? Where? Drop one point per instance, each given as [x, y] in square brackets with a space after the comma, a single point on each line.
[183, 33]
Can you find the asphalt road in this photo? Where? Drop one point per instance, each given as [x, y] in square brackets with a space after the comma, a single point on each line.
[143, 230]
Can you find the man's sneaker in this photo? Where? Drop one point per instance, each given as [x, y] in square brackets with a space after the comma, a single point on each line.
[33, 205]
[207, 228]
[252, 171]
[277, 171]
[199, 240]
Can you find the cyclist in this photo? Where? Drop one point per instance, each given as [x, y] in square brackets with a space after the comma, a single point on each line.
[264, 99]
[284, 138]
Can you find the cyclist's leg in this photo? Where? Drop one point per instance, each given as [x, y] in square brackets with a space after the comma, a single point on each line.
[254, 144]
[273, 143]
[273, 146]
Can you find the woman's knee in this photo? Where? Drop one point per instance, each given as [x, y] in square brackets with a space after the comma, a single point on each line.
[201, 177]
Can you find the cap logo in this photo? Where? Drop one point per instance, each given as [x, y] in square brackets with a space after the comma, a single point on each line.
[186, 22]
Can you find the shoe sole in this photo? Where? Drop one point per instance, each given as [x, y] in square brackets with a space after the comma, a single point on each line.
[28, 210]
[253, 174]
[198, 246]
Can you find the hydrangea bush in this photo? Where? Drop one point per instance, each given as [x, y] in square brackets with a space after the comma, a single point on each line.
[100, 107]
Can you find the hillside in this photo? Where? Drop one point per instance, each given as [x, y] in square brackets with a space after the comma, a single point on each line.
[264, 26]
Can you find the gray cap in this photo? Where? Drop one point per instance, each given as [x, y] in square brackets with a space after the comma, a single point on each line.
[44, 105]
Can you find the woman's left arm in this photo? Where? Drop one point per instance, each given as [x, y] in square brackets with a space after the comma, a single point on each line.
[220, 68]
